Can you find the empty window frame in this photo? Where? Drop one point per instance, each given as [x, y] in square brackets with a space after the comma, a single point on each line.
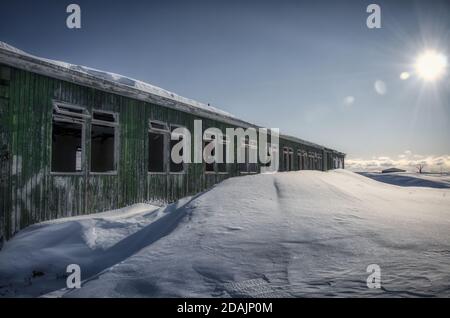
[319, 162]
[104, 126]
[68, 138]
[67, 146]
[252, 166]
[158, 134]
[288, 155]
[209, 166]
[243, 166]
[300, 160]
[311, 161]
[291, 159]
[175, 167]
[269, 156]
[285, 158]
[222, 166]
[268, 151]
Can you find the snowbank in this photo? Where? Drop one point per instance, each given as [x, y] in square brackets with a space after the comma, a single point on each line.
[306, 233]
[408, 179]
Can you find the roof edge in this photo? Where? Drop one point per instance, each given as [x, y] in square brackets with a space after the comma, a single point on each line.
[19, 59]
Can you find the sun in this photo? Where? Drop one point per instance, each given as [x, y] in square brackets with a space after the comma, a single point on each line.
[431, 65]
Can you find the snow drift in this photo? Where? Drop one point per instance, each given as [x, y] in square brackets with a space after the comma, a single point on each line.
[305, 233]
[408, 179]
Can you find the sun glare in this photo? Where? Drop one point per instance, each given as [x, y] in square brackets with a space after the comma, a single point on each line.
[431, 65]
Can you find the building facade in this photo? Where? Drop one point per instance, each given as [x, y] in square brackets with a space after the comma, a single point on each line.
[74, 142]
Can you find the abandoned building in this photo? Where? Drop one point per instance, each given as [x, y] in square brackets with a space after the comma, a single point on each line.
[74, 140]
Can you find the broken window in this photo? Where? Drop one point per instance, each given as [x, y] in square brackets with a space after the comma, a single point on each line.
[269, 154]
[222, 166]
[66, 146]
[155, 152]
[320, 163]
[304, 160]
[102, 148]
[103, 142]
[269, 160]
[209, 167]
[243, 166]
[288, 162]
[285, 159]
[310, 161]
[253, 165]
[67, 138]
[291, 159]
[299, 160]
[158, 135]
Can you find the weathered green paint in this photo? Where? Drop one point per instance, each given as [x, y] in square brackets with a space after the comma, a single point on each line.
[30, 193]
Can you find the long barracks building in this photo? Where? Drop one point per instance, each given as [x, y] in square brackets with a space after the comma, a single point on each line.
[75, 140]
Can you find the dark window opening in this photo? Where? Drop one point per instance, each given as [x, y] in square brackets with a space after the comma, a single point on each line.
[243, 166]
[209, 167]
[155, 152]
[66, 146]
[104, 117]
[252, 166]
[269, 156]
[102, 148]
[176, 167]
[253, 153]
[288, 159]
[222, 167]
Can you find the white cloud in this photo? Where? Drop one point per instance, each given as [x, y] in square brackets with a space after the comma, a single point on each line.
[406, 160]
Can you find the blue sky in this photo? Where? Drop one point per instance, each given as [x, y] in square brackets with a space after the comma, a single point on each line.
[307, 67]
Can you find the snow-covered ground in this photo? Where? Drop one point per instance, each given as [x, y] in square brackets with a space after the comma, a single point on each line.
[306, 233]
[409, 179]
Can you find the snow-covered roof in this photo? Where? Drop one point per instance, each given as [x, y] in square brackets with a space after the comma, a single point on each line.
[113, 77]
[122, 85]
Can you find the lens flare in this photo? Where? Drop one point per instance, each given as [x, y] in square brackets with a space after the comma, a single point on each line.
[431, 65]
